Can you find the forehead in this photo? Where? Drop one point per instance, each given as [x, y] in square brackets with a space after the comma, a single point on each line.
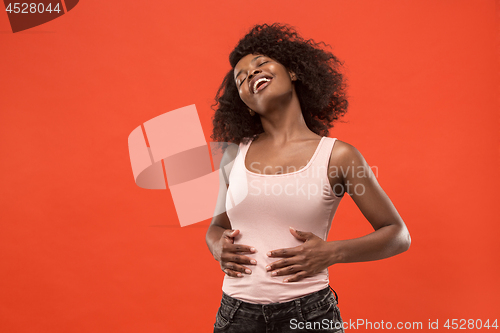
[245, 61]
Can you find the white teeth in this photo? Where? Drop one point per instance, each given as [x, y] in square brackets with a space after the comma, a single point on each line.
[257, 82]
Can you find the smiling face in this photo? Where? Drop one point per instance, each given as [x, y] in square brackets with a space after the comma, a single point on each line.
[263, 82]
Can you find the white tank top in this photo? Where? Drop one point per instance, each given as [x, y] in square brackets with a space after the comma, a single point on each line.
[263, 207]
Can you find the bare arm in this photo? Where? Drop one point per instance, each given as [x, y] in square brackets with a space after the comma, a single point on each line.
[219, 236]
[220, 221]
[390, 236]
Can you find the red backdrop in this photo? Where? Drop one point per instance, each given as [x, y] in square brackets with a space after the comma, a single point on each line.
[83, 249]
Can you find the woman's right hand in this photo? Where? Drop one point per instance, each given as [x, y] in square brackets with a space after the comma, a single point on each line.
[230, 257]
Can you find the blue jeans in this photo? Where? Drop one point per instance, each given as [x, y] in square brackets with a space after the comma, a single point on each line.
[317, 312]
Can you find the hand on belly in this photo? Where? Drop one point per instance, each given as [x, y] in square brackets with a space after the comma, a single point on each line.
[305, 260]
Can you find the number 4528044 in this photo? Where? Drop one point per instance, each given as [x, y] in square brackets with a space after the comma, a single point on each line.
[463, 324]
[27, 8]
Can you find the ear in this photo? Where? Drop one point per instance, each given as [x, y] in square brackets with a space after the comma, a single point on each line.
[293, 77]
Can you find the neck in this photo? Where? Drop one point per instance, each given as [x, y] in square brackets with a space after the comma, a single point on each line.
[285, 123]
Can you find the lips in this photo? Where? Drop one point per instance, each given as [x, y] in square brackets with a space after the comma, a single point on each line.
[259, 82]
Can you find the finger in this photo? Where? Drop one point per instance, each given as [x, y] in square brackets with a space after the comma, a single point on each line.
[239, 248]
[297, 277]
[229, 248]
[231, 233]
[232, 273]
[301, 235]
[285, 253]
[287, 270]
[236, 268]
[237, 258]
[284, 263]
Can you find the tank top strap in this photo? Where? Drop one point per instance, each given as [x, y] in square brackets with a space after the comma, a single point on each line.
[243, 146]
[323, 157]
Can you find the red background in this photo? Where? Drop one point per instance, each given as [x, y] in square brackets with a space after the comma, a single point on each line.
[83, 249]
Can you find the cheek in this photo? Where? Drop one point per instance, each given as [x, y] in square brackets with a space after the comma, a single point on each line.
[279, 73]
[244, 94]
[242, 97]
[276, 69]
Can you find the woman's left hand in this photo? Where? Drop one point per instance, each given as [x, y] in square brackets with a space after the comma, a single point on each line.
[304, 260]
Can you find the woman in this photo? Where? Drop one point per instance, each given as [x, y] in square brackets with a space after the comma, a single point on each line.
[282, 185]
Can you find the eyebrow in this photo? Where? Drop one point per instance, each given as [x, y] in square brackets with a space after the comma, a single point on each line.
[257, 57]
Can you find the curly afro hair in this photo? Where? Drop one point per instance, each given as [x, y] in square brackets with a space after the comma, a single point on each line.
[320, 85]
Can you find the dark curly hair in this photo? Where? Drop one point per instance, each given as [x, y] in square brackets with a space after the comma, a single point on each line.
[320, 85]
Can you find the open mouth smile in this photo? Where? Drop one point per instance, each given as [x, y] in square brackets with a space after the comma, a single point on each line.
[260, 83]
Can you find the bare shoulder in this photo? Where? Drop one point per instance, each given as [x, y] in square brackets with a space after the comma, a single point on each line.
[344, 153]
[343, 160]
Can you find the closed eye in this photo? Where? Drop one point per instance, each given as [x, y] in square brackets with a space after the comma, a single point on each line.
[262, 63]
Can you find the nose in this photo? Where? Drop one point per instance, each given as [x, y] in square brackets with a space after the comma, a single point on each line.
[253, 73]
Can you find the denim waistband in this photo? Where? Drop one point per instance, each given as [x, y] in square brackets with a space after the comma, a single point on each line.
[301, 305]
